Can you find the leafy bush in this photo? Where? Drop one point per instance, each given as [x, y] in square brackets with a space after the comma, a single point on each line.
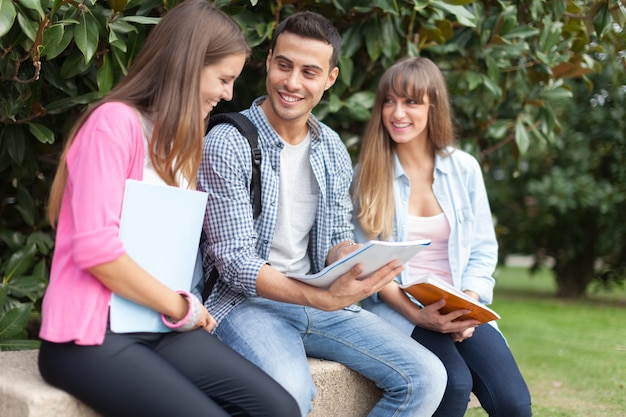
[506, 62]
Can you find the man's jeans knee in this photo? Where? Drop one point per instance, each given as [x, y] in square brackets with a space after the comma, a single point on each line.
[273, 344]
[278, 337]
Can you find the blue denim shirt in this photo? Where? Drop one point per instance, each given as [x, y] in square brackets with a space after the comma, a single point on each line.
[238, 245]
[472, 246]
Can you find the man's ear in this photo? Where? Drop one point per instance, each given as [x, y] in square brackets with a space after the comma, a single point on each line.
[332, 77]
[268, 60]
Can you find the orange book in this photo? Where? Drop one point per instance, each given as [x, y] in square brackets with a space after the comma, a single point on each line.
[430, 289]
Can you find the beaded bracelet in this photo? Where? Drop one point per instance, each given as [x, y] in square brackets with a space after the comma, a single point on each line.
[190, 320]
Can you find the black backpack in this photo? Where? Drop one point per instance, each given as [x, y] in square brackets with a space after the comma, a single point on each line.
[247, 129]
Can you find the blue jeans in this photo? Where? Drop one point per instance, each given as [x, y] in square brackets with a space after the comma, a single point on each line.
[482, 364]
[278, 337]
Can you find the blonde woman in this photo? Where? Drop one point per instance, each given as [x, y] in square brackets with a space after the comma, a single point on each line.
[411, 183]
[150, 126]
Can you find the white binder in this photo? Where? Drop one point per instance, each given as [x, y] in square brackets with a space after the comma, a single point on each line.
[160, 227]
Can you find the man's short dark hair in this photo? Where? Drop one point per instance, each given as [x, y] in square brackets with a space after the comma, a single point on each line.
[314, 26]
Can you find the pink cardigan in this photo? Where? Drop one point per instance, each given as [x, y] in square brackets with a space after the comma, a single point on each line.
[108, 149]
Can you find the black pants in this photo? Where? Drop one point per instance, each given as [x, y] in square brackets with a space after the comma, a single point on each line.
[170, 375]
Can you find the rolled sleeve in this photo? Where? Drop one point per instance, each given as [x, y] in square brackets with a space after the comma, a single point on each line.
[96, 182]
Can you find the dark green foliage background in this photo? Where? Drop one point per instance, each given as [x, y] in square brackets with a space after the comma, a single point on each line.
[521, 75]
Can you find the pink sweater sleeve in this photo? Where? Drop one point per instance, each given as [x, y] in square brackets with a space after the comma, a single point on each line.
[99, 162]
[107, 150]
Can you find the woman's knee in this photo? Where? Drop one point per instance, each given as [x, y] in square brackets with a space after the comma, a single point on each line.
[510, 407]
[460, 382]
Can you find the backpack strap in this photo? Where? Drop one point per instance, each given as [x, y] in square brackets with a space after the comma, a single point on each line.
[247, 129]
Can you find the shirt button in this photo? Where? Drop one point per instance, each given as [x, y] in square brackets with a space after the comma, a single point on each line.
[265, 241]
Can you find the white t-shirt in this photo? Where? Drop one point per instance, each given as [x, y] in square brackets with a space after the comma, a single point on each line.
[297, 207]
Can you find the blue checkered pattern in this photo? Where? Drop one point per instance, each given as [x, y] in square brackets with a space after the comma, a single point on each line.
[238, 245]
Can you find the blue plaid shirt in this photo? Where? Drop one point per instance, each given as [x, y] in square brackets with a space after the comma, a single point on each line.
[239, 246]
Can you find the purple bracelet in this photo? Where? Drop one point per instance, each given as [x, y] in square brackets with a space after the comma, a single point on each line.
[167, 320]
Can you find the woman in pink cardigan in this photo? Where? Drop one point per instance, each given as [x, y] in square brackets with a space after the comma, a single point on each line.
[150, 125]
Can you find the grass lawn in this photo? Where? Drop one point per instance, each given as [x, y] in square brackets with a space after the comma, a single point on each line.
[572, 353]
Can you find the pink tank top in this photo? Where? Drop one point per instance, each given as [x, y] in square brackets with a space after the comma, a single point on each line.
[433, 259]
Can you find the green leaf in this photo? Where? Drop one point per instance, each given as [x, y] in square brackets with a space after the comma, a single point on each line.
[53, 47]
[27, 286]
[4, 293]
[104, 76]
[459, 2]
[33, 5]
[499, 129]
[86, 36]
[473, 78]
[121, 26]
[65, 104]
[346, 67]
[52, 36]
[362, 98]
[74, 64]
[116, 42]
[521, 136]
[522, 32]
[20, 262]
[351, 40]
[387, 6]
[493, 88]
[373, 44]
[144, 20]
[334, 104]
[463, 16]
[15, 143]
[29, 27]
[359, 105]
[14, 321]
[19, 344]
[390, 40]
[556, 93]
[602, 18]
[41, 132]
[7, 16]
[42, 240]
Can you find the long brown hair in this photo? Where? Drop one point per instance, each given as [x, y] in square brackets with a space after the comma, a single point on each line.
[163, 84]
[409, 78]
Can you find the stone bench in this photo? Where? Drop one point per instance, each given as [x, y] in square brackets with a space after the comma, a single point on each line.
[341, 392]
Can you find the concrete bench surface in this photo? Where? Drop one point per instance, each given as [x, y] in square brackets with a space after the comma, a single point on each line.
[341, 392]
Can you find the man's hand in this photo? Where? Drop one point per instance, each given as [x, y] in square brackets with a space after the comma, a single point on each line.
[349, 289]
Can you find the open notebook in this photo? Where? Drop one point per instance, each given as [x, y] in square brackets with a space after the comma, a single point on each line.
[372, 256]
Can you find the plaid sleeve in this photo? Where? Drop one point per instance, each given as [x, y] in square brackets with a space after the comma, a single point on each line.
[228, 228]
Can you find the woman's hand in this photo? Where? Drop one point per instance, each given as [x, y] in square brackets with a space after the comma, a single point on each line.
[461, 336]
[206, 321]
[430, 318]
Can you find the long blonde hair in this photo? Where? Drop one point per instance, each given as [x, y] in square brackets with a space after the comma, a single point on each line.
[373, 191]
[163, 84]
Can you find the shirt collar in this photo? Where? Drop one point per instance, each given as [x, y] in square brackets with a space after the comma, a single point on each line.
[315, 127]
[442, 164]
